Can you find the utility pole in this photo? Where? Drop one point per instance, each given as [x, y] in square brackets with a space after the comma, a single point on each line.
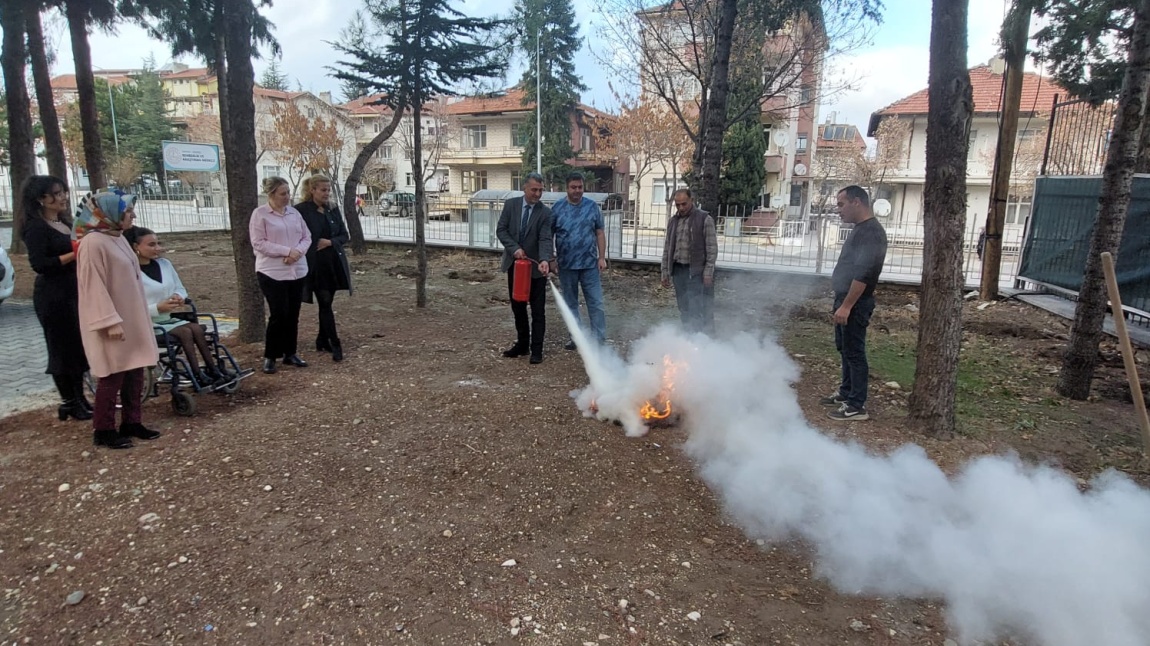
[538, 103]
[1015, 32]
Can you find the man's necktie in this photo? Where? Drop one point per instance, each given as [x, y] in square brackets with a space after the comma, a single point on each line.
[526, 217]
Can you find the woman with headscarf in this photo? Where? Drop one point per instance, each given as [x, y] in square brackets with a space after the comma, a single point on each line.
[114, 321]
[327, 268]
[48, 237]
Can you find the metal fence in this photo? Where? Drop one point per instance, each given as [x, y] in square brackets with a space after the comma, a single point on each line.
[747, 239]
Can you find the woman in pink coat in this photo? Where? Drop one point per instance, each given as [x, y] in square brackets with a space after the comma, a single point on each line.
[114, 321]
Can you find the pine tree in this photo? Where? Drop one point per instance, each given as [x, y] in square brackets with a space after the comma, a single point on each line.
[429, 49]
[744, 145]
[273, 77]
[550, 26]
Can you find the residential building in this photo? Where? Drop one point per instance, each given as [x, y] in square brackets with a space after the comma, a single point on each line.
[487, 149]
[391, 168]
[188, 91]
[792, 75]
[903, 186]
[841, 160]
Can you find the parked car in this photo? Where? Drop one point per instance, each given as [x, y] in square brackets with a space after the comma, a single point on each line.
[397, 203]
[7, 275]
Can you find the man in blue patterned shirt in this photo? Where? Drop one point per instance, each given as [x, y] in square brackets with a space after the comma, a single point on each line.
[581, 251]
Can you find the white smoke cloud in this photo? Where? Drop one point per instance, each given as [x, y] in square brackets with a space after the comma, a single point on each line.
[1013, 549]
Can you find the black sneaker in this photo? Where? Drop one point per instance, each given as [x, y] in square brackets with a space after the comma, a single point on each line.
[835, 400]
[848, 413]
[570, 345]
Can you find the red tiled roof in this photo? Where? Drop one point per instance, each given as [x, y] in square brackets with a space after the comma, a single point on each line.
[510, 101]
[190, 73]
[1037, 96]
[260, 90]
[68, 81]
[366, 106]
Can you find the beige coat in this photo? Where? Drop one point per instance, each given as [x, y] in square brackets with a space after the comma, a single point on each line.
[111, 292]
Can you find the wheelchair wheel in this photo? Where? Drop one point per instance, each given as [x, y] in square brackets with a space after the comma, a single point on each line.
[183, 404]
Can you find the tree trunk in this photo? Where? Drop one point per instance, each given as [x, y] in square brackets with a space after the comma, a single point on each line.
[1143, 165]
[77, 14]
[711, 137]
[21, 148]
[951, 103]
[49, 121]
[1117, 178]
[240, 143]
[1017, 28]
[354, 226]
[420, 194]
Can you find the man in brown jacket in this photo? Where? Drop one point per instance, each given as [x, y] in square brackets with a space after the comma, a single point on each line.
[689, 255]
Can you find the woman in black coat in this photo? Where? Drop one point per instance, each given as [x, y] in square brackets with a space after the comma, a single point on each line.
[48, 237]
[328, 270]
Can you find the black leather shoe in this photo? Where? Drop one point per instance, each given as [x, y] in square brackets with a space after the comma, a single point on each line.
[111, 439]
[129, 429]
[536, 358]
[270, 366]
[294, 360]
[570, 345]
[336, 352]
[74, 409]
[515, 351]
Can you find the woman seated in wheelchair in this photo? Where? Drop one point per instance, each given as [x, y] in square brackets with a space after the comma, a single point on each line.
[166, 294]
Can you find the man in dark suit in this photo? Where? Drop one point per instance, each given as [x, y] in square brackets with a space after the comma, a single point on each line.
[525, 230]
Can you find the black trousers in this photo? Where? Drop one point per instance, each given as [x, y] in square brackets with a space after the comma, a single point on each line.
[327, 332]
[284, 298]
[530, 336]
[696, 301]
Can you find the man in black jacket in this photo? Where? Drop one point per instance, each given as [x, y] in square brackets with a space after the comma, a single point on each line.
[689, 254]
[853, 280]
[524, 229]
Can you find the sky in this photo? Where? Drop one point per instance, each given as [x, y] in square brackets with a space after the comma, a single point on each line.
[891, 67]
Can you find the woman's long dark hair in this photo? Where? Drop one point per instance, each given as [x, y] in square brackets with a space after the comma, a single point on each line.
[36, 187]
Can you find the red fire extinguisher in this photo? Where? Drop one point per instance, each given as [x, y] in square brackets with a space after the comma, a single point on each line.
[521, 281]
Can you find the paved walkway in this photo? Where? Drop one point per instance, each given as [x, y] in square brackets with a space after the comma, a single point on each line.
[23, 357]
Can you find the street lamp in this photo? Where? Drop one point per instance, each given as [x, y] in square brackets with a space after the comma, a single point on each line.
[112, 108]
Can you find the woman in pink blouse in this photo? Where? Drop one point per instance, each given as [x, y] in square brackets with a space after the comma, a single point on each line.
[280, 239]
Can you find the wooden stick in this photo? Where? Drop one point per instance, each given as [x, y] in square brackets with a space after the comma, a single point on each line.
[1127, 351]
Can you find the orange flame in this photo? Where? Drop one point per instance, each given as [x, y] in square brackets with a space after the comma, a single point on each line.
[650, 411]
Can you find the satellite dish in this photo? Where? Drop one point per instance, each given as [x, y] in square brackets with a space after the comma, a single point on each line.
[881, 208]
[800, 169]
[781, 138]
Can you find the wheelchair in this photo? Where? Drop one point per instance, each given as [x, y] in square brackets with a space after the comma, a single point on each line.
[175, 373]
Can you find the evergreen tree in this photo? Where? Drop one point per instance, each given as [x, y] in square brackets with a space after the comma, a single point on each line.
[430, 49]
[744, 145]
[144, 122]
[550, 26]
[273, 77]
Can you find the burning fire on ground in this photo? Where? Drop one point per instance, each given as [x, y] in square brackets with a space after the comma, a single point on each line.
[661, 408]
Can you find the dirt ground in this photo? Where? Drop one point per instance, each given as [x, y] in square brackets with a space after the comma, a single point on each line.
[380, 500]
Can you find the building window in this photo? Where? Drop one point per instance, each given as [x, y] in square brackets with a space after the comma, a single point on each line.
[1017, 209]
[474, 180]
[517, 180]
[376, 126]
[807, 94]
[271, 171]
[385, 151]
[801, 144]
[475, 136]
[584, 139]
[520, 134]
[410, 182]
[972, 144]
[796, 194]
[407, 153]
[660, 191]
[311, 113]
